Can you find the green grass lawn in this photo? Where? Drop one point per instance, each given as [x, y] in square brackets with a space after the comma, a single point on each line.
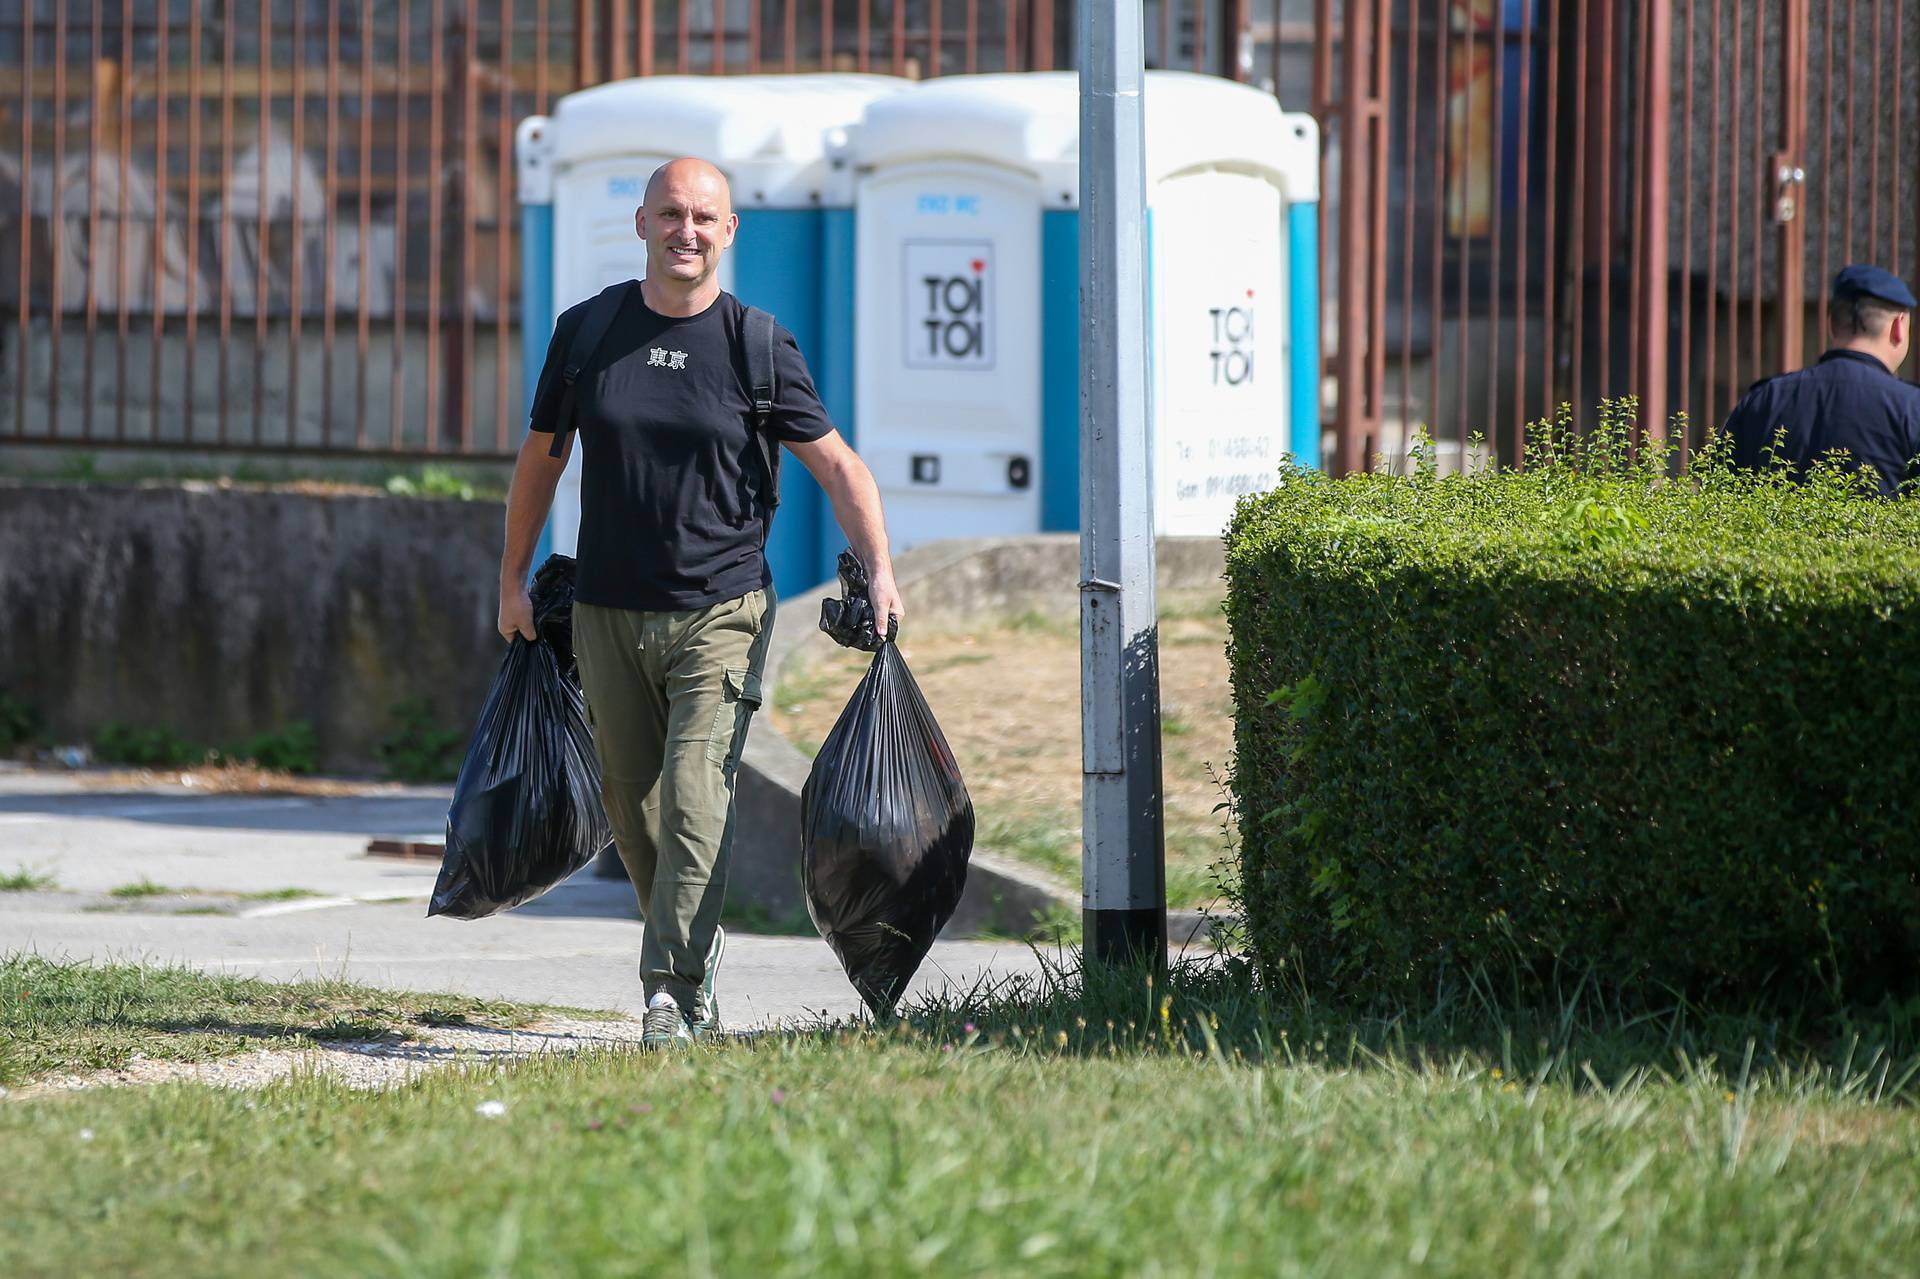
[1292, 1140]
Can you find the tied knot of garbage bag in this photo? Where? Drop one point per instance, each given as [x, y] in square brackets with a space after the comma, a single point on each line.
[849, 620]
[526, 810]
[551, 594]
[886, 827]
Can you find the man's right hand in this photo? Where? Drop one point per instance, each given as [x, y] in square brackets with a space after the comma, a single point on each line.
[516, 613]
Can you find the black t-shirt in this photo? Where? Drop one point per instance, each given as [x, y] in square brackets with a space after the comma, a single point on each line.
[671, 509]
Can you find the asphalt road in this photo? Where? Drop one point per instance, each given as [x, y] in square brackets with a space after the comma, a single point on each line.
[366, 922]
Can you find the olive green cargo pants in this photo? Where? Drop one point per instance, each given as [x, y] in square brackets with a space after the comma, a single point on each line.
[670, 696]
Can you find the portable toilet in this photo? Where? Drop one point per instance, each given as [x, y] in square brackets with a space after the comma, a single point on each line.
[968, 323]
[583, 171]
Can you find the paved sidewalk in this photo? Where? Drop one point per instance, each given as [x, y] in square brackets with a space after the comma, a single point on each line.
[576, 946]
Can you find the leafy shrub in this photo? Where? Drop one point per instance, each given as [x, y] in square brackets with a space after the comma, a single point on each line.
[118, 743]
[1580, 718]
[292, 748]
[417, 751]
[433, 481]
[19, 723]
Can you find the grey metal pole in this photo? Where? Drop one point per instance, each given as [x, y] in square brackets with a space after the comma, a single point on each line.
[1123, 870]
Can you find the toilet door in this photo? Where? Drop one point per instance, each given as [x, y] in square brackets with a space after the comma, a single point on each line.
[1221, 377]
[947, 331]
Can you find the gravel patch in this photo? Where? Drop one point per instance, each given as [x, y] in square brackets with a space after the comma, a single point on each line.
[369, 1064]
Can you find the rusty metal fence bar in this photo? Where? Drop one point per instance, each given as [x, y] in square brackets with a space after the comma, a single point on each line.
[233, 220]
[1590, 200]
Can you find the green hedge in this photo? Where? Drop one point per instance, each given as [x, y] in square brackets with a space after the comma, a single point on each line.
[1580, 721]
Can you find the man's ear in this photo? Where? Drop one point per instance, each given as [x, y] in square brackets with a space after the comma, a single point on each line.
[1901, 328]
[640, 222]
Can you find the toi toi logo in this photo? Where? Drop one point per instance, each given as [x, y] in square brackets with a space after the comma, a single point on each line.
[955, 322]
[948, 305]
[1232, 349]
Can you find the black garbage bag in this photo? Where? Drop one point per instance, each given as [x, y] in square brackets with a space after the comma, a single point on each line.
[886, 823]
[526, 811]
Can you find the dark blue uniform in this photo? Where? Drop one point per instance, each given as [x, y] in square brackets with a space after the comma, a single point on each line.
[1847, 401]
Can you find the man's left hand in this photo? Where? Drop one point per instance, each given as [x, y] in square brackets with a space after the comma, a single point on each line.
[885, 597]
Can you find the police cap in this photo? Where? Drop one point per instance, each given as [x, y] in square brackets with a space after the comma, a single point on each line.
[1863, 281]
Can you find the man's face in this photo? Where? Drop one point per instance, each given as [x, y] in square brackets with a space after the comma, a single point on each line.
[687, 223]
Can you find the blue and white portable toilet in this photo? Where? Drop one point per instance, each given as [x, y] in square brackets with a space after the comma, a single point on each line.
[968, 323]
[583, 171]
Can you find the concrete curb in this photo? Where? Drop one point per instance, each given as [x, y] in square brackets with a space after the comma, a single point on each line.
[946, 586]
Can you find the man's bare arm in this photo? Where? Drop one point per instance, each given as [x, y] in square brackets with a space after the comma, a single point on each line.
[528, 500]
[856, 505]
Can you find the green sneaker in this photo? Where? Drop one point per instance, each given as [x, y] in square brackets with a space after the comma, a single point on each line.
[664, 1026]
[706, 1015]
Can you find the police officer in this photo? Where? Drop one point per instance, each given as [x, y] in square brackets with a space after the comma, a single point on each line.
[1851, 400]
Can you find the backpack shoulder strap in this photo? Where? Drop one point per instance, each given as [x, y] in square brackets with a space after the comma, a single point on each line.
[758, 336]
[586, 340]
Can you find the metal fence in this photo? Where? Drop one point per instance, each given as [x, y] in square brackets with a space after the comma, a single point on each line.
[288, 225]
[1546, 201]
[267, 226]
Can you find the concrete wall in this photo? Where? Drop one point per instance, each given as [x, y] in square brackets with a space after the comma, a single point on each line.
[220, 613]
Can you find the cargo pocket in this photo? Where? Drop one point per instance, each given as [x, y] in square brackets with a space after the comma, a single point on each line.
[739, 699]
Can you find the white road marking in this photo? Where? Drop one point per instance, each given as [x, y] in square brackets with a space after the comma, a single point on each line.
[329, 903]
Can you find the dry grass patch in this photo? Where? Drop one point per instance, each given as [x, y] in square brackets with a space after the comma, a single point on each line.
[236, 779]
[1008, 699]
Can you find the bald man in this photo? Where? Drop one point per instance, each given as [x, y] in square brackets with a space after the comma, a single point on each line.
[674, 599]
